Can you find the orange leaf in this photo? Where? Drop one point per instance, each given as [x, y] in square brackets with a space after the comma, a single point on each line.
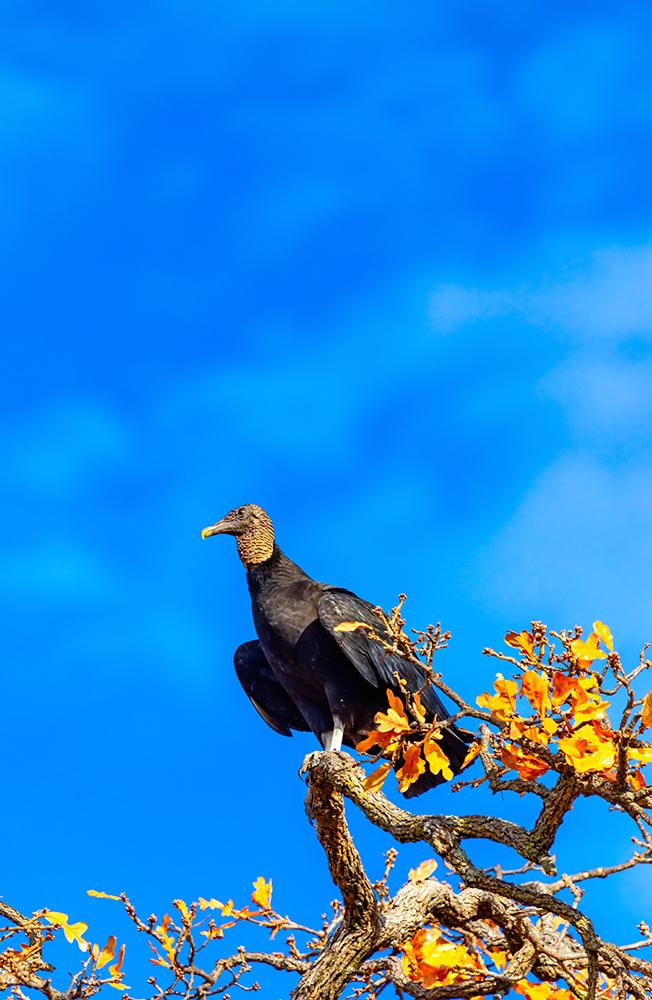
[115, 969]
[523, 641]
[604, 634]
[101, 895]
[218, 932]
[431, 960]
[412, 767]
[646, 712]
[374, 782]
[529, 768]
[636, 780]
[262, 893]
[419, 712]
[471, 754]
[350, 626]
[158, 960]
[107, 954]
[562, 687]
[422, 871]
[535, 688]
[641, 754]
[375, 739]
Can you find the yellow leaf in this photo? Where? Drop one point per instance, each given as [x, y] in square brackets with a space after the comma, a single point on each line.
[646, 712]
[499, 958]
[535, 688]
[438, 762]
[107, 954]
[588, 749]
[604, 634]
[350, 626]
[394, 720]
[503, 704]
[641, 754]
[588, 651]
[374, 782]
[262, 894]
[412, 767]
[601, 760]
[213, 904]
[590, 710]
[101, 895]
[541, 991]
[523, 641]
[183, 909]
[73, 932]
[422, 871]
[167, 940]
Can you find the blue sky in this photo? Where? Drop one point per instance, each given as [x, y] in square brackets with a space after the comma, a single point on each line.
[385, 270]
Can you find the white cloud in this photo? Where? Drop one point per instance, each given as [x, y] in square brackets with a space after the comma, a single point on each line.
[579, 544]
[578, 547]
[609, 297]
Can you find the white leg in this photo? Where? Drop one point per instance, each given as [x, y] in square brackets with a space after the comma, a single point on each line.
[333, 739]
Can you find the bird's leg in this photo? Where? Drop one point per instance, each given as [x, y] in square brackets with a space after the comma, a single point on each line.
[332, 740]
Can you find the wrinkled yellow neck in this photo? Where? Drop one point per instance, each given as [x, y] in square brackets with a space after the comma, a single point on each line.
[256, 545]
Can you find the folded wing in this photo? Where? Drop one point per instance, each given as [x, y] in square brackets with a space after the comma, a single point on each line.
[269, 698]
[379, 668]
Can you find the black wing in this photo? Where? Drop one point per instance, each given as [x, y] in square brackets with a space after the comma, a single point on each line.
[269, 698]
[367, 655]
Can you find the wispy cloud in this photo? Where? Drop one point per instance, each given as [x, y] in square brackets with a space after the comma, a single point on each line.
[580, 541]
[608, 296]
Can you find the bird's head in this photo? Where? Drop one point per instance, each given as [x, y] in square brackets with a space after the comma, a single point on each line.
[253, 531]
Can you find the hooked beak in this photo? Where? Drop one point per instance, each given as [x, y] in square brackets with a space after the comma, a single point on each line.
[222, 527]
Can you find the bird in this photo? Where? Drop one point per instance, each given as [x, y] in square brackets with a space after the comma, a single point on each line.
[301, 673]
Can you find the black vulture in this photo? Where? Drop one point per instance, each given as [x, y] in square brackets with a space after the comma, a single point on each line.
[300, 673]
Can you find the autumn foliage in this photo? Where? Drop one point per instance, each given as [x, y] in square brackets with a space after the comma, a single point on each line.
[563, 720]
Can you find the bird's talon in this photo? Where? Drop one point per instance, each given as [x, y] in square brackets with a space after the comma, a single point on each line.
[307, 762]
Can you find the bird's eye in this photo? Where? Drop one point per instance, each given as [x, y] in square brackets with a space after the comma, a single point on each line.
[241, 512]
